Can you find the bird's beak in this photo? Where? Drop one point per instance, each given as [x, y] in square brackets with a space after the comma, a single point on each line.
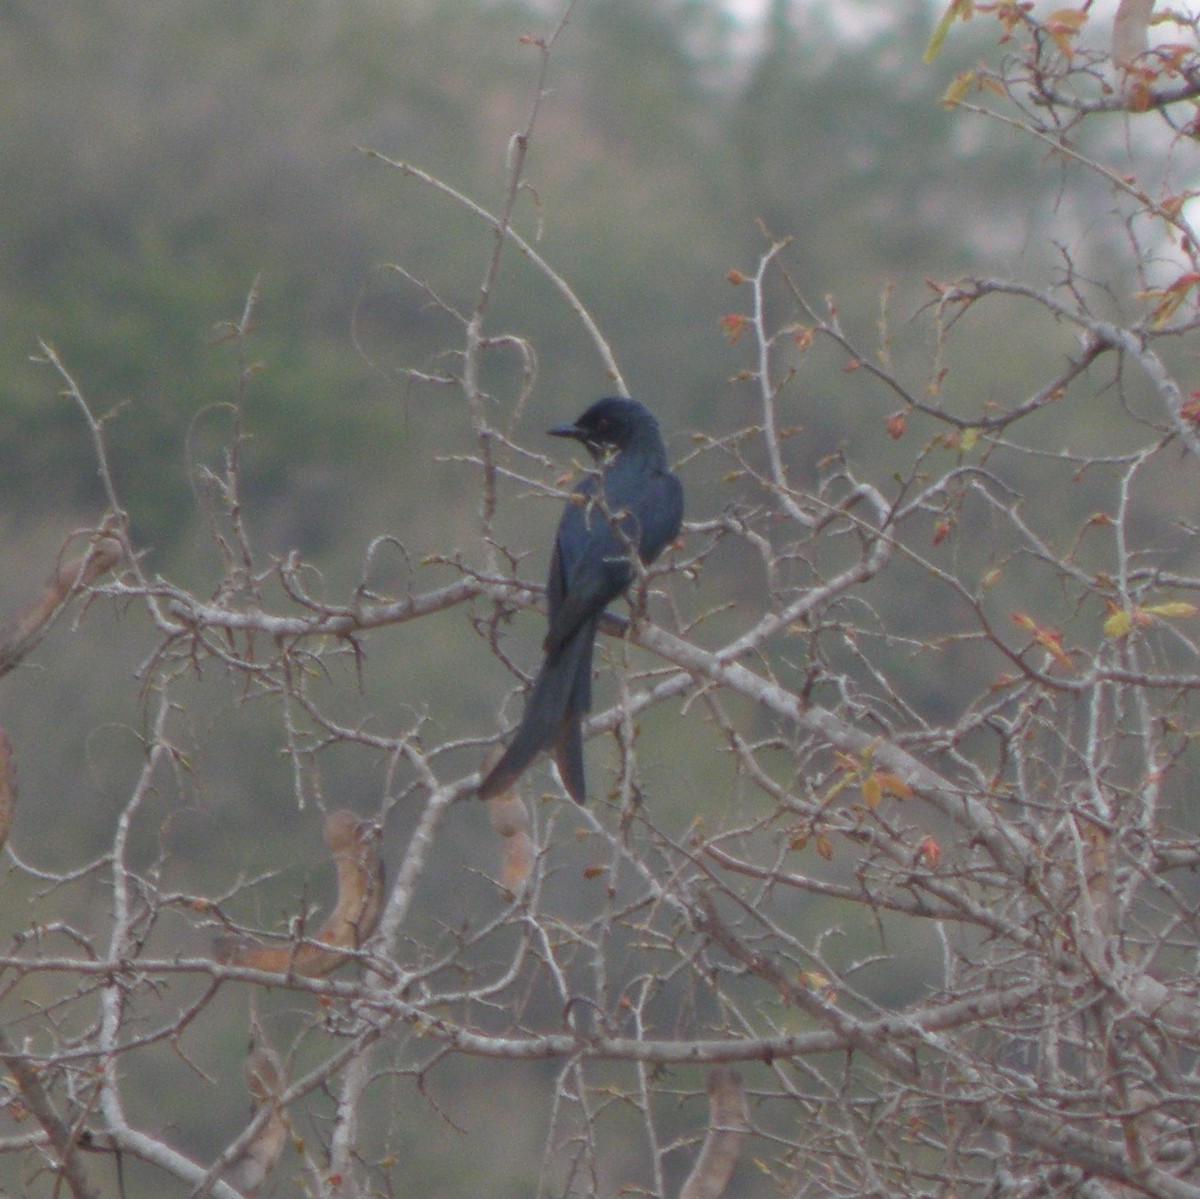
[568, 431]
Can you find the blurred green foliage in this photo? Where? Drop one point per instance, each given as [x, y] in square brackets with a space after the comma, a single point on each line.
[160, 156]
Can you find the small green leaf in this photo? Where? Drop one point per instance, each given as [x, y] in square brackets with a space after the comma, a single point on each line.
[957, 9]
[1118, 623]
[1172, 609]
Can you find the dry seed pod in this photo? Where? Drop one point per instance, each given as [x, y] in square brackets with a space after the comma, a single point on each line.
[266, 1082]
[728, 1126]
[354, 918]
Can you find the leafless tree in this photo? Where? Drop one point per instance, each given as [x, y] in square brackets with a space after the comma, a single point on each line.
[937, 904]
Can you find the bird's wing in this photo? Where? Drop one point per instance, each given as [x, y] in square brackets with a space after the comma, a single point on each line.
[658, 515]
[589, 566]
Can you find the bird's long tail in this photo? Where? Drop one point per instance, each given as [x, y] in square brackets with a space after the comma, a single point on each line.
[554, 711]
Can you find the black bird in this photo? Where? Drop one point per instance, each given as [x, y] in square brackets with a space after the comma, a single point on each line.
[633, 504]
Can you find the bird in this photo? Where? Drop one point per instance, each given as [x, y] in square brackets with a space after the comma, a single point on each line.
[632, 503]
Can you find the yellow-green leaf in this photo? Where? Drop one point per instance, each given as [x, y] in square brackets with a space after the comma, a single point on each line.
[959, 86]
[957, 9]
[872, 790]
[1172, 609]
[1118, 623]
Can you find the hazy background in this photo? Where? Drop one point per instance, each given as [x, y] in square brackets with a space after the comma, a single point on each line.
[159, 155]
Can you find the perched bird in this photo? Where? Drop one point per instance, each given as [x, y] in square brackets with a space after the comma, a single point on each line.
[633, 504]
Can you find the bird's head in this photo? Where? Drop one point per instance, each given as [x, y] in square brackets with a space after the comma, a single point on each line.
[608, 425]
